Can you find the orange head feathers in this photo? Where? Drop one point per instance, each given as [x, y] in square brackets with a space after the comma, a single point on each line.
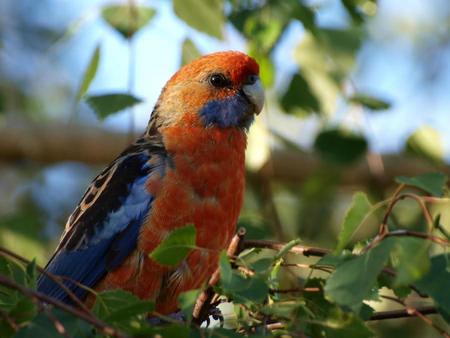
[217, 90]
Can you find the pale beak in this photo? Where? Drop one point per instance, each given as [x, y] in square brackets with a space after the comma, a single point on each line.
[255, 93]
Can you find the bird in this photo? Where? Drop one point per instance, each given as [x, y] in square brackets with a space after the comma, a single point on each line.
[188, 167]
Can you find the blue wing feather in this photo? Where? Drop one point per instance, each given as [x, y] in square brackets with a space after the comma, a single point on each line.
[105, 225]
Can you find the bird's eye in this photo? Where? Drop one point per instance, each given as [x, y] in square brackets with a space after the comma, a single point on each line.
[219, 80]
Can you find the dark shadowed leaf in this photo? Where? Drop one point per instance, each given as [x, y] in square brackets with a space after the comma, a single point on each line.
[2, 103]
[189, 52]
[42, 326]
[126, 19]
[306, 15]
[437, 281]
[207, 16]
[176, 246]
[105, 105]
[354, 280]
[353, 218]
[115, 306]
[89, 73]
[354, 11]
[370, 102]
[339, 146]
[433, 183]
[299, 98]
[426, 142]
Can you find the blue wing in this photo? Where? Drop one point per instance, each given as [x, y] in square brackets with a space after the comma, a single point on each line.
[103, 229]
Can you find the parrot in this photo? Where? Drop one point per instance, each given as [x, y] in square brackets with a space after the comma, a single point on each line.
[188, 167]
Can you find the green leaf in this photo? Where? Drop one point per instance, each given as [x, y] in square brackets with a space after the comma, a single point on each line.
[2, 103]
[287, 247]
[433, 183]
[436, 282]
[326, 58]
[426, 142]
[189, 52]
[43, 326]
[354, 280]
[89, 73]
[242, 289]
[115, 306]
[176, 246]
[355, 215]
[370, 102]
[226, 272]
[339, 146]
[299, 98]
[353, 10]
[105, 105]
[410, 260]
[266, 67]
[187, 301]
[127, 19]
[31, 274]
[204, 15]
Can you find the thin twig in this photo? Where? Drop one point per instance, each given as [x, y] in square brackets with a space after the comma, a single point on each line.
[394, 314]
[54, 278]
[411, 233]
[59, 327]
[204, 300]
[101, 326]
[298, 249]
[9, 320]
[417, 313]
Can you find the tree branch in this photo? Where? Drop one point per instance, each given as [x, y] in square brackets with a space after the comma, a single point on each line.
[97, 323]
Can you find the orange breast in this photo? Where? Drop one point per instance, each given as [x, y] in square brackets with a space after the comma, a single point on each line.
[205, 186]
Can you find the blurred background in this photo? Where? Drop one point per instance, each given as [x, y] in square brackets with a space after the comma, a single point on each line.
[358, 92]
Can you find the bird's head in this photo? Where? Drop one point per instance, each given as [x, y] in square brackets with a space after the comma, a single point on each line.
[217, 90]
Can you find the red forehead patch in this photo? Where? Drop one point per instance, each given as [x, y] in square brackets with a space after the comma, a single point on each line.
[237, 64]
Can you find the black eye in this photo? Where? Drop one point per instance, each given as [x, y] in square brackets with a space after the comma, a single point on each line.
[219, 80]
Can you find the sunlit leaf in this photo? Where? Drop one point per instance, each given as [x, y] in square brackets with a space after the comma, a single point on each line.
[189, 51]
[370, 102]
[176, 246]
[410, 260]
[357, 212]
[204, 15]
[427, 143]
[299, 98]
[339, 146]
[353, 281]
[105, 105]
[89, 73]
[433, 183]
[127, 19]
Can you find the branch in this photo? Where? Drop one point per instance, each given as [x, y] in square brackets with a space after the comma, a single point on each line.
[298, 249]
[56, 279]
[426, 310]
[101, 326]
[50, 143]
[204, 300]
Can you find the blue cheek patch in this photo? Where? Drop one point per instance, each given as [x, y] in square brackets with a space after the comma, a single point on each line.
[226, 113]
